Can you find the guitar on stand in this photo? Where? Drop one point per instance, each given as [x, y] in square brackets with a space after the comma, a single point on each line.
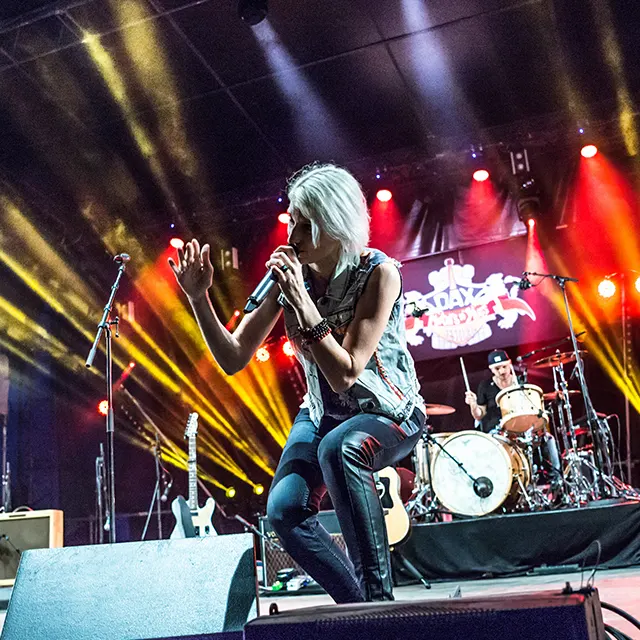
[192, 521]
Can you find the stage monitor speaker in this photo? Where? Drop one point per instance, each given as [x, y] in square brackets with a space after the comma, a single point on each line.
[274, 560]
[535, 616]
[24, 530]
[134, 590]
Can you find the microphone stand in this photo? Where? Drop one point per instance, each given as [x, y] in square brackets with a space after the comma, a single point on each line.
[105, 327]
[592, 417]
[156, 493]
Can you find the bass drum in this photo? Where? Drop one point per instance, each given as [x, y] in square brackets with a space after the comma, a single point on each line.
[482, 456]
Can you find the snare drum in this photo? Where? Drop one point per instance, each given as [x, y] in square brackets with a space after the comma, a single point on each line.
[522, 407]
[482, 456]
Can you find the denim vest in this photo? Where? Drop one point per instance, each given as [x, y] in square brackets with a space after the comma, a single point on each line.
[388, 385]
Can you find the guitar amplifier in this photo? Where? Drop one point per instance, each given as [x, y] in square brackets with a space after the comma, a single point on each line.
[274, 560]
[24, 530]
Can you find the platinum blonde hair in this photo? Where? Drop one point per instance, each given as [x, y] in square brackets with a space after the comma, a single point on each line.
[332, 200]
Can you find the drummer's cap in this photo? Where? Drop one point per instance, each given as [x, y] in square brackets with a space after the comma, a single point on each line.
[498, 356]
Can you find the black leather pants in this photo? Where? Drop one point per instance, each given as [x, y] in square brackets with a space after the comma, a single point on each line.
[340, 458]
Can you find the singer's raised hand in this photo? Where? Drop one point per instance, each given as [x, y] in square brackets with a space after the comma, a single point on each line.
[287, 268]
[193, 271]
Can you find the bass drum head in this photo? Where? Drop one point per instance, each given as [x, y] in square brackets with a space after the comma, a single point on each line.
[482, 456]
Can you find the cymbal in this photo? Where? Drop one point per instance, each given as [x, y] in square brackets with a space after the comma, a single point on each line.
[559, 358]
[438, 409]
[554, 395]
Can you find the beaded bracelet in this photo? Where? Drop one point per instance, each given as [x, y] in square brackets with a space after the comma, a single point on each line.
[317, 333]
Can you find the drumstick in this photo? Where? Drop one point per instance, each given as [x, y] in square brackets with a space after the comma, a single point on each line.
[464, 375]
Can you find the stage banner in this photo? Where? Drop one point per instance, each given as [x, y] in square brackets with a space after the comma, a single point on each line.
[469, 300]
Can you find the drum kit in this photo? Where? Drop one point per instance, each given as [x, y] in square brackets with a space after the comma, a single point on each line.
[471, 473]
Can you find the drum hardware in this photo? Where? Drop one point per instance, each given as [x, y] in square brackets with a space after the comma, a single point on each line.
[555, 396]
[558, 358]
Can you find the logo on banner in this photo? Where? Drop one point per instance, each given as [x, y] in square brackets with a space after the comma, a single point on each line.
[459, 312]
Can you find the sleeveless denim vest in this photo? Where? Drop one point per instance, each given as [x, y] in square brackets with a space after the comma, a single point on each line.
[388, 385]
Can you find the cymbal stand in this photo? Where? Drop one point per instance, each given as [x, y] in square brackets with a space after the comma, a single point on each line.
[422, 502]
[579, 489]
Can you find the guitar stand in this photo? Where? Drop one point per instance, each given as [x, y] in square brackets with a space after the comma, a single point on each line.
[410, 568]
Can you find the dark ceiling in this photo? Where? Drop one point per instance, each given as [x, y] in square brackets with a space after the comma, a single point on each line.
[344, 80]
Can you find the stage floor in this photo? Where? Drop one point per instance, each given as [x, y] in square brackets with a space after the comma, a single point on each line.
[620, 587]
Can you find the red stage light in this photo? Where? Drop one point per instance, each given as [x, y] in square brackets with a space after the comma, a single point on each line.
[132, 364]
[607, 288]
[262, 354]
[287, 349]
[236, 313]
[480, 175]
[284, 217]
[531, 223]
[103, 408]
[176, 243]
[589, 150]
[638, 284]
[384, 195]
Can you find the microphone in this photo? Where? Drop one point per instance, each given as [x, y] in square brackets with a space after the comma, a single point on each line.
[264, 286]
[483, 487]
[525, 283]
[122, 258]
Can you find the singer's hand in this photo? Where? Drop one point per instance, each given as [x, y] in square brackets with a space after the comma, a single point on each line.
[194, 271]
[290, 278]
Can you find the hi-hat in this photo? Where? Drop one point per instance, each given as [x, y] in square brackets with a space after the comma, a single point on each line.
[438, 409]
[559, 358]
[554, 395]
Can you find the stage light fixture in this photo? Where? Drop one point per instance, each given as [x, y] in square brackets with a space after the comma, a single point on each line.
[480, 175]
[638, 284]
[531, 223]
[606, 288]
[230, 492]
[528, 200]
[284, 217]
[384, 195]
[262, 354]
[103, 408]
[519, 162]
[253, 12]
[176, 243]
[588, 151]
[287, 349]
[132, 364]
[258, 489]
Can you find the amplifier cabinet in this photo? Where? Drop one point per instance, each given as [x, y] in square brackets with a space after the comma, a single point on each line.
[274, 560]
[24, 530]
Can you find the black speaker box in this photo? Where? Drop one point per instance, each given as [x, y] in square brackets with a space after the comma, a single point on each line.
[134, 590]
[536, 616]
[274, 560]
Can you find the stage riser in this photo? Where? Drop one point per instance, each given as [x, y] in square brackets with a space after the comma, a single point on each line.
[496, 546]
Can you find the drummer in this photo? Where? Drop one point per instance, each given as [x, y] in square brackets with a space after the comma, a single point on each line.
[483, 404]
[484, 409]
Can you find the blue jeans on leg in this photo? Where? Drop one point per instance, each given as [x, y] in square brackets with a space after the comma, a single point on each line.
[340, 457]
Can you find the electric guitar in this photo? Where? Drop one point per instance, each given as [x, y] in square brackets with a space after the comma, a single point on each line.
[396, 518]
[192, 521]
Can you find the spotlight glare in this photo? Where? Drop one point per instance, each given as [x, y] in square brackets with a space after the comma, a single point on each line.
[176, 243]
[103, 408]
[132, 364]
[589, 150]
[480, 175]
[287, 349]
[638, 284]
[230, 492]
[258, 489]
[284, 217]
[606, 288]
[531, 223]
[384, 195]
[262, 354]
